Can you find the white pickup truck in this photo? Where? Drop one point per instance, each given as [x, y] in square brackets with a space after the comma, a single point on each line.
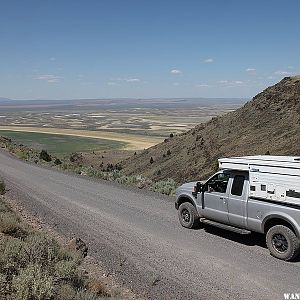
[251, 193]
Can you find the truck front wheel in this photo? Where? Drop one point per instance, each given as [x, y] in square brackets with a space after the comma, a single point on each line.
[188, 215]
[282, 242]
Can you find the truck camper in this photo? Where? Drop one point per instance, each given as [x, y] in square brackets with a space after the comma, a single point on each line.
[249, 194]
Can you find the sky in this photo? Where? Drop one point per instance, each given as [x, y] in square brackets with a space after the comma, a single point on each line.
[75, 49]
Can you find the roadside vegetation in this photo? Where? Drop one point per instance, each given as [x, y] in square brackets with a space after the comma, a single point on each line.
[34, 266]
[75, 164]
[2, 187]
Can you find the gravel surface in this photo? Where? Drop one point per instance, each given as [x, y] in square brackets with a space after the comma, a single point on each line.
[135, 234]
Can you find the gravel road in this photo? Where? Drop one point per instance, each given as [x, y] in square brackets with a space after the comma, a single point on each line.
[136, 235]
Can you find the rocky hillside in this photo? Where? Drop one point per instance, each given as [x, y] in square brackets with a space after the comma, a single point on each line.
[269, 123]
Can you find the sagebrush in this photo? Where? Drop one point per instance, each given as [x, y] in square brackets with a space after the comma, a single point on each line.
[34, 266]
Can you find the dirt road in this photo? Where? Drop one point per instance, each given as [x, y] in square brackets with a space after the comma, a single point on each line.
[136, 235]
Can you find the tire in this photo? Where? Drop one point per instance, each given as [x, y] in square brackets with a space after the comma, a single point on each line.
[282, 242]
[188, 216]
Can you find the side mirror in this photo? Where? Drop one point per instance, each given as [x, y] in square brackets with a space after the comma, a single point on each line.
[198, 188]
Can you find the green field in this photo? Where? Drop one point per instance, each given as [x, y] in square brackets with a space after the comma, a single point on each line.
[61, 144]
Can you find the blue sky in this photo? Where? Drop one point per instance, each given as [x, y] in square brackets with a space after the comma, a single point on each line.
[66, 49]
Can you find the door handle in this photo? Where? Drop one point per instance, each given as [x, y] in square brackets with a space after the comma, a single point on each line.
[224, 200]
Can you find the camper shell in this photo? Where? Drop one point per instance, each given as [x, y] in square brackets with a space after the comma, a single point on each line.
[271, 178]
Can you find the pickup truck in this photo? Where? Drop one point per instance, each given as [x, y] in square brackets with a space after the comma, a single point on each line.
[249, 194]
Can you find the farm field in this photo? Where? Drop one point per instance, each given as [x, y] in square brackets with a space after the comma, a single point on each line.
[61, 144]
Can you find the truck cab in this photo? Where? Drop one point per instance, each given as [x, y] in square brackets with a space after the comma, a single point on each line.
[228, 200]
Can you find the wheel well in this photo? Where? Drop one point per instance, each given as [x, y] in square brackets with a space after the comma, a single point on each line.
[185, 199]
[278, 221]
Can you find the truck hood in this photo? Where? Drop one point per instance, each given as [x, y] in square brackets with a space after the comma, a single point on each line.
[189, 186]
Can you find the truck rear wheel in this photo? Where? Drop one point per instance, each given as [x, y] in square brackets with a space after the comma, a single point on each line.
[282, 242]
[188, 215]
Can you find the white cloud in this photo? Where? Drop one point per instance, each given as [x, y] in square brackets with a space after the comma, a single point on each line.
[230, 83]
[208, 60]
[175, 83]
[125, 79]
[175, 72]
[282, 73]
[132, 80]
[49, 78]
[52, 59]
[202, 85]
[250, 70]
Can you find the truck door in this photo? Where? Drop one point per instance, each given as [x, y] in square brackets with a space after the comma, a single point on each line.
[237, 199]
[215, 198]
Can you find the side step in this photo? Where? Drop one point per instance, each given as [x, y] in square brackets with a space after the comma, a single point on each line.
[224, 226]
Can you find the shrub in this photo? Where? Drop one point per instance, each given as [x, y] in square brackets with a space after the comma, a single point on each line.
[169, 152]
[151, 160]
[68, 255]
[167, 187]
[45, 156]
[118, 167]
[32, 283]
[66, 292]
[12, 255]
[22, 154]
[4, 285]
[75, 157]
[42, 249]
[216, 166]
[2, 187]
[10, 224]
[66, 270]
[97, 286]
[171, 135]
[85, 295]
[3, 207]
[57, 161]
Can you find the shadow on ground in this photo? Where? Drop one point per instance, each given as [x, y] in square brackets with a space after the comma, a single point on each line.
[253, 239]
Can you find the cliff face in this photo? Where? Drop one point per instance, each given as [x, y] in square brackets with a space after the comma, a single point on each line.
[269, 123]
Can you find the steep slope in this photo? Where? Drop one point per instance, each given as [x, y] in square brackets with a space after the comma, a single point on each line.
[269, 123]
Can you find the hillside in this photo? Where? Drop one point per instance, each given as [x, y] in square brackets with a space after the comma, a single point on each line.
[269, 123]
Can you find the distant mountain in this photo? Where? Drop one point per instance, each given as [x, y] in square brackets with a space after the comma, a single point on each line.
[4, 99]
[269, 123]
